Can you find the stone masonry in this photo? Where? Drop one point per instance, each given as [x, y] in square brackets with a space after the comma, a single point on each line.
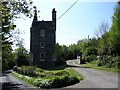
[42, 42]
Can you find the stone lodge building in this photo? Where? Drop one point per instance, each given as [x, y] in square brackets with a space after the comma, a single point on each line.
[42, 42]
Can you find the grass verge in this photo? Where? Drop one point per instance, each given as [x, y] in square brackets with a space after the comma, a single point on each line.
[73, 72]
[16, 75]
[94, 66]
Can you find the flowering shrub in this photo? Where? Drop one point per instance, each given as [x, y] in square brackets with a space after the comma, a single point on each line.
[109, 61]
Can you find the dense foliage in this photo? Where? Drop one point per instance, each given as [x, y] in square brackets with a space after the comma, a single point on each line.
[45, 79]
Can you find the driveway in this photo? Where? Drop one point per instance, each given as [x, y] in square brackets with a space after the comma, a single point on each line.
[94, 78]
[9, 82]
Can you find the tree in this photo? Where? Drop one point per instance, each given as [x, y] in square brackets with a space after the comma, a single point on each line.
[93, 42]
[22, 56]
[10, 11]
[64, 52]
[58, 52]
[102, 35]
[114, 34]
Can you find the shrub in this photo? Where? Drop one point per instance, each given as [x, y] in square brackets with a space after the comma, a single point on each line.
[90, 51]
[109, 61]
[22, 60]
[59, 63]
[26, 70]
[57, 82]
[90, 58]
[64, 81]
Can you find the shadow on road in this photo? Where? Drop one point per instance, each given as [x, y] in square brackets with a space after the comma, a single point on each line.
[62, 67]
[6, 72]
[10, 85]
[77, 66]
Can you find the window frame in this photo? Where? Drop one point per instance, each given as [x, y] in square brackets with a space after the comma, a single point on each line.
[42, 33]
[42, 59]
[42, 45]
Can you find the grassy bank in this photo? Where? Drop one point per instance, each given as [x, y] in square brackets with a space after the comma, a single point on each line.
[95, 66]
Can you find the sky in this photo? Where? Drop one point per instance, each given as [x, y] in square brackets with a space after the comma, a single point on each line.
[80, 21]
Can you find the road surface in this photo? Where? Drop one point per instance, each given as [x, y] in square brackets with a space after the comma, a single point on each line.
[9, 82]
[94, 78]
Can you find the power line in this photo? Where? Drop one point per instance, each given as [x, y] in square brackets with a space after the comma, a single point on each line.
[68, 9]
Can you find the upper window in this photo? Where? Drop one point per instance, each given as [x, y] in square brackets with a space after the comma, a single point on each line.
[42, 33]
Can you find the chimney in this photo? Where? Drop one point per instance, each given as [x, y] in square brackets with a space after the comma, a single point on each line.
[54, 18]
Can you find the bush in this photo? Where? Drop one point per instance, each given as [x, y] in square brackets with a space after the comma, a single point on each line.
[109, 61]
[59, 63]
[90, 58]
[57, 82]
[22, 60]
[90, 51]
[26, 70]
[64, 81]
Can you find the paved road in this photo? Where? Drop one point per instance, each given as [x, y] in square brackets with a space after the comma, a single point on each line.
[94, 78]
[8, 82]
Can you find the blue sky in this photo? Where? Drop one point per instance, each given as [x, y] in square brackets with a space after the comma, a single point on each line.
[79, 22]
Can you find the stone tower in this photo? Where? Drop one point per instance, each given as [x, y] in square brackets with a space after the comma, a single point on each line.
[42, 42]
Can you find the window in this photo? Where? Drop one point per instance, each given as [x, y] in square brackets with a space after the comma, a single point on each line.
[42, 56]
[42, 33]
[31, 57]
[42, 45]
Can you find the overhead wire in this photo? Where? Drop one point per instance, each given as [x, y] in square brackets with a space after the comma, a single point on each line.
[68, 9]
